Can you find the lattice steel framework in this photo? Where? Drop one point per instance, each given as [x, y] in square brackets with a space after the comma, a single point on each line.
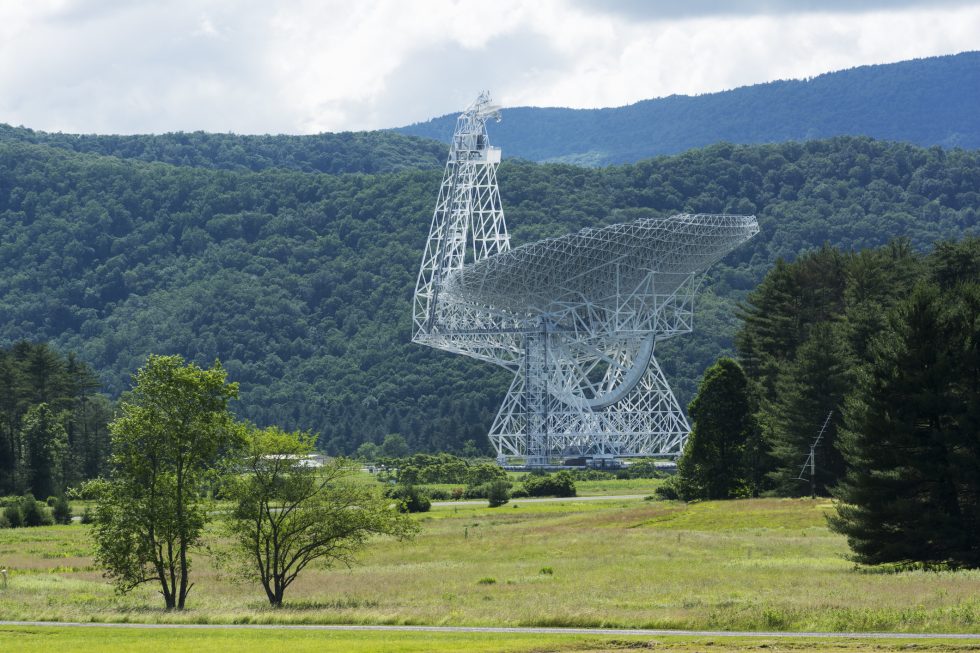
[576, 318]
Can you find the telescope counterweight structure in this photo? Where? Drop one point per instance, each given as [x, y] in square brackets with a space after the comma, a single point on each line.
[575, 318]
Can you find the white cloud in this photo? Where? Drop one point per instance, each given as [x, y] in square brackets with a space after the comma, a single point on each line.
[303, 66]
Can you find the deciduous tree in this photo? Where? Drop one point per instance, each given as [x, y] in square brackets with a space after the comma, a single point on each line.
[289, 514]
[172, 432]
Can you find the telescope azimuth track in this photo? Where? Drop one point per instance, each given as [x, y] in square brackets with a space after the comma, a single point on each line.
[575, 318]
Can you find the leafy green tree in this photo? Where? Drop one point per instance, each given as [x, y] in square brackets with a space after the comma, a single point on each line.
[44, 444]
[394, 446]
[172, 432]
[719, 458]
[288, 514]
[368, 451]
[913, 482]
[485, 473]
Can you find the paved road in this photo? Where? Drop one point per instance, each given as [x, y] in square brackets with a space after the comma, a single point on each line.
[605, 632]
[480, 502]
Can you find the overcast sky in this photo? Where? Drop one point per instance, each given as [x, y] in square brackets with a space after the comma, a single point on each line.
[297, 66]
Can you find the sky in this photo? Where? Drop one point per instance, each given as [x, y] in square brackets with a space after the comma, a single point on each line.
[305, 66]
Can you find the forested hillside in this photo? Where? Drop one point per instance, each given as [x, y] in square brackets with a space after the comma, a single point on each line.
[929, 101]
[371, 152]
[301, 283]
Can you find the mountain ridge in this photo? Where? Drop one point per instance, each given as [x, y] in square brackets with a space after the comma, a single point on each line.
[895, 101]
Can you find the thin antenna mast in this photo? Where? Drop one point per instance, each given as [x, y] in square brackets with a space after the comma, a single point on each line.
[811, 460]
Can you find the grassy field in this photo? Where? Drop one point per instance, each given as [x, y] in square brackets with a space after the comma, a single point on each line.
[762, 564]
[108, 640]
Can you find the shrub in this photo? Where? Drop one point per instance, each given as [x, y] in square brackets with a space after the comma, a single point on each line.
[13, 516]
[642, 469]
[411, 498]
[487, 580]
[34, 512]
[498, 493]
[3, 521]
[458, 493]
[87, 517]
[547, 571]
[61, 511]
[50, 501]
[476, 492]
[670, 490]
[559, 484]
[437, 493]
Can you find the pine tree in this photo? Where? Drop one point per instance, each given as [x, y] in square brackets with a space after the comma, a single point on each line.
[780, 312]
[912, 442]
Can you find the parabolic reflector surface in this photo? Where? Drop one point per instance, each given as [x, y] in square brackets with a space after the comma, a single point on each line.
[599, 266]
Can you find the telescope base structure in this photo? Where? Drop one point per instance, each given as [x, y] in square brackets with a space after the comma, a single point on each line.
[540, 425]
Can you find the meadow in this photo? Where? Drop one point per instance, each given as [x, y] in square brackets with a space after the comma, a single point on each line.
[758, 564]
[28, 639]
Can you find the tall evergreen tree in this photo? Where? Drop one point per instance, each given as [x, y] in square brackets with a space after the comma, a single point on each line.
[778, 314]
[912, 442]
[877, 279]
[720, 455]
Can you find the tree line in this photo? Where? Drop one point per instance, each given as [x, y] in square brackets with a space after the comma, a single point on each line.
[53, 431]
[886, 342]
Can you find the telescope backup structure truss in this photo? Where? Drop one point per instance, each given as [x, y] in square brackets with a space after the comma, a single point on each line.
[575, 318]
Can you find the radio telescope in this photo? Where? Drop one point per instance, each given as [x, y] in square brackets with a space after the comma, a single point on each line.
[575, 318]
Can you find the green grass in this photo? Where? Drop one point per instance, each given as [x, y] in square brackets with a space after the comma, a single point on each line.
[763, 564]
[24, 639]
[644, 486]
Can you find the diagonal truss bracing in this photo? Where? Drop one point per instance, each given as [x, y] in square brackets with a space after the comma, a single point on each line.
[576, 318]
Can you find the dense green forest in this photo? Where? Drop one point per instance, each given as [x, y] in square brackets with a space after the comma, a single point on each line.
[301, 283]
[927, 102]
[52, 421]
[809, 339]
[370, 152]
